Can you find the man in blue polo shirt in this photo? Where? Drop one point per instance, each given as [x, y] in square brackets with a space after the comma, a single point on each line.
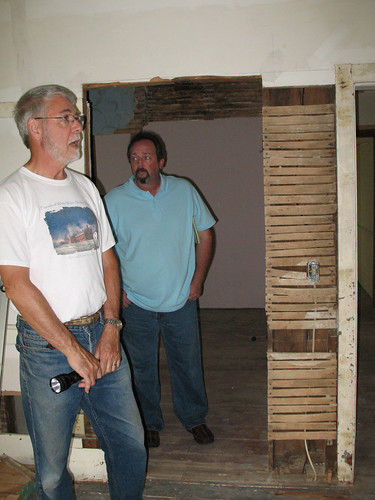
[164, 239]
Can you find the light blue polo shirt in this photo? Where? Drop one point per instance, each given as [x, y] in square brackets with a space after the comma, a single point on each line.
[155, 240]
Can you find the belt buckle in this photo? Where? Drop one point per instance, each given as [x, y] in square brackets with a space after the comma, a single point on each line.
[86, 320]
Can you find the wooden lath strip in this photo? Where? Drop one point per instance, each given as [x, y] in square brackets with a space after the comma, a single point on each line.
[272, 281]
[300, 179]
[300, 209]
[296, 383]
[287, 120]
[321, 239]
[286, 307]
[299, 219]
[280, 367]
[302, 374]
[327, 402]
[302, 249]
[283, 303]
[298, 137]
[311, 394]
[300, 315]
[278, 231]
[326, 280]
[314, 170]
[306, 199]
[299, 153]
[295, 409]
[315, 293]
[314, 109]
[293, 299]
[275, 143]
[308, 189]
[316, 253]
[294, 129]
[277, 161]
[303, 240]
[309, 435]
[303, 418]
[297, 275]
[297, 261]
[302, 325]
[308, 356]
[301, 426]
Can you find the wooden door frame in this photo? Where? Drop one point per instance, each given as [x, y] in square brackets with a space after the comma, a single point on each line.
[349, 77]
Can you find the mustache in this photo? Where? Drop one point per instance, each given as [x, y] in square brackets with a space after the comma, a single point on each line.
[140, 169]
[144, 179]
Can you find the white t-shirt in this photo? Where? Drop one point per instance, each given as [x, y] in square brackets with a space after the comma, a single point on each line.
[59, 230]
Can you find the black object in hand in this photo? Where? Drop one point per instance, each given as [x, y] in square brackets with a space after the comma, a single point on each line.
[62, 382]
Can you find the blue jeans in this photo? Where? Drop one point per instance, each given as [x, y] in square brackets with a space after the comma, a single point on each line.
[50, 417]
[180, 333]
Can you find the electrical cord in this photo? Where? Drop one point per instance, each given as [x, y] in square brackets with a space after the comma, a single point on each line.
[312, 350]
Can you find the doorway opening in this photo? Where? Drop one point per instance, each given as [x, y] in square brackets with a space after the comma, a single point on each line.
[212, 128]
[174, 105]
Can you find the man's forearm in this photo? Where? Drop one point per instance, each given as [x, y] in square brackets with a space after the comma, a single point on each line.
[112, 284]
[203, 254]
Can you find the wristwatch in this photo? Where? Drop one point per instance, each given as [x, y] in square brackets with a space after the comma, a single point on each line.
[113, 321]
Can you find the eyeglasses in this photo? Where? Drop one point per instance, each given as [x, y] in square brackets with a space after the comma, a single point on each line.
[68, 119]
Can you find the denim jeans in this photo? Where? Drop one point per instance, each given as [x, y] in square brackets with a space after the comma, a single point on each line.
[110, 406]
[180, 333]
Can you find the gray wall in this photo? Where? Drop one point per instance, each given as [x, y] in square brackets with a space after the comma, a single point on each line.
[224, 160]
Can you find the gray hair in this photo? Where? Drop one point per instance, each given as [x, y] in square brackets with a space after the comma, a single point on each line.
[32, 104]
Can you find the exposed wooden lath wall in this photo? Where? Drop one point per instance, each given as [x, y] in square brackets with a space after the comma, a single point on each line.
[300, 213]
[302, 395]
[196, 99]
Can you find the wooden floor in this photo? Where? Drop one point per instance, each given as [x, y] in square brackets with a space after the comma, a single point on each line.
[235, 466]
[234, 346]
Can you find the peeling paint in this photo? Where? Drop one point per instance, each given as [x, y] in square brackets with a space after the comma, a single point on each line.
[348, 458]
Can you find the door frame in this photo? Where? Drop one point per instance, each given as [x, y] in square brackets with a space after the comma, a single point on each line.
[349, 77]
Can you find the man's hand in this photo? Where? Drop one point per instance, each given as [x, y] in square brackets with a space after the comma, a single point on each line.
[195, 290]
[203, 253]
[125, 301]
[86, 365]
[108, 350]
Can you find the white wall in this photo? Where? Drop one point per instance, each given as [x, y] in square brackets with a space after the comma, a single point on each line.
[288, 43]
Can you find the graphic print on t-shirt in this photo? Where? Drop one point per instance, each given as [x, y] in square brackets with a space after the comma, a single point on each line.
[73, 229]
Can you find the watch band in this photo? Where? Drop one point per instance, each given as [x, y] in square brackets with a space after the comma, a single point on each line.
[113, 321]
